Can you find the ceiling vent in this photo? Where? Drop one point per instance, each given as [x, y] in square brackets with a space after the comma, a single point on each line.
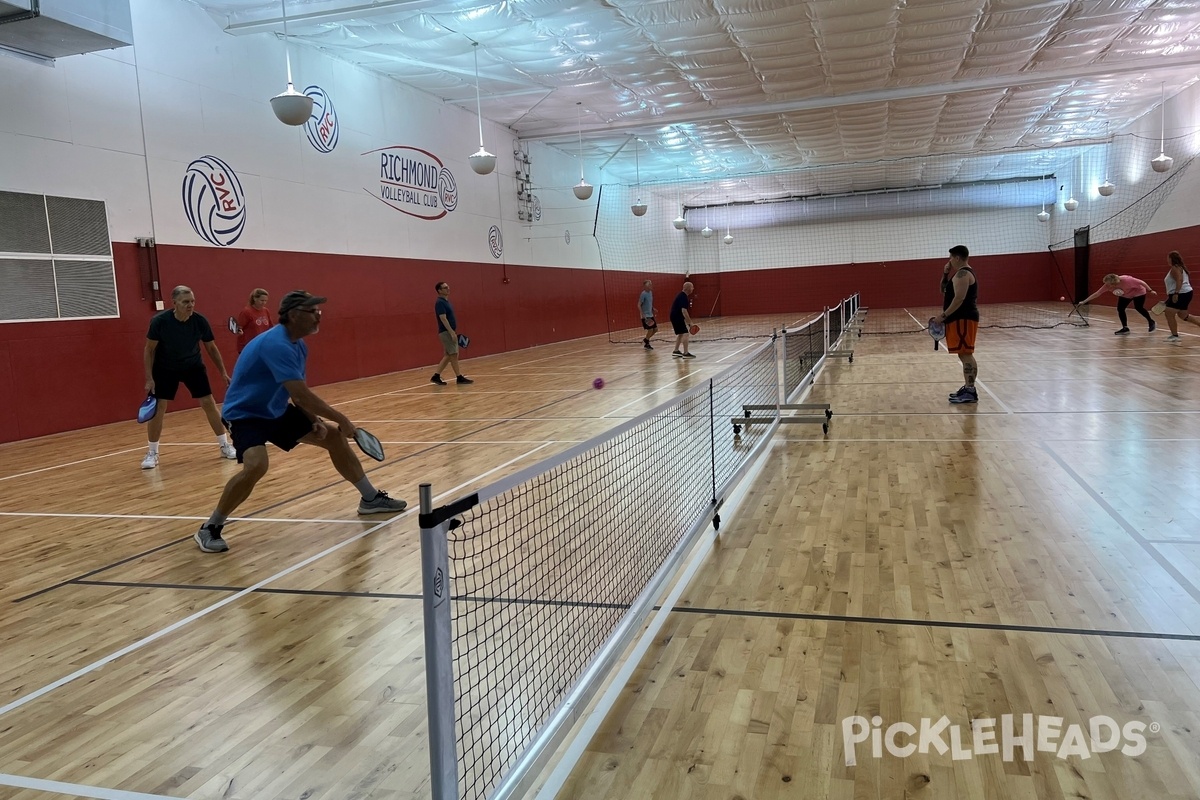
[50, 29]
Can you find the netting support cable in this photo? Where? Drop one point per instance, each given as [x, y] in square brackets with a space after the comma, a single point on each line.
[439, 654]
[712, 440]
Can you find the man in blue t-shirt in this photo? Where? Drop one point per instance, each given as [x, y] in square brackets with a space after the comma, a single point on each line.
[269, 401]
[646, 312]
[448, 333]
[681, 321]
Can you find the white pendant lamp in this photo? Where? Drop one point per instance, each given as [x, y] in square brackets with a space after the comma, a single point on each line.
[638, 208]
[583, 189]
[290, 107]
[481, 161]
[1162, 162]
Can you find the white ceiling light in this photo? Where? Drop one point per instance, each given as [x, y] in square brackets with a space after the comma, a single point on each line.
[638, 208]
[482, 161]
[583, 189]
[728, 238]
[1072, 203]
[1107, 188]
[1162, 162]
[679, 222]
[290, 107]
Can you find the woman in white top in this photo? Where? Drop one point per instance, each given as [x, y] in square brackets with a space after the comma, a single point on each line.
[1179, 295]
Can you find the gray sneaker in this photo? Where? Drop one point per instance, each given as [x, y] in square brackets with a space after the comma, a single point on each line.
[968, 396]
[209, 539]
[959, 391]
[381, 504]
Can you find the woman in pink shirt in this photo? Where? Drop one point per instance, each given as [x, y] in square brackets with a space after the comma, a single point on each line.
[1127, 289]
[254, 319]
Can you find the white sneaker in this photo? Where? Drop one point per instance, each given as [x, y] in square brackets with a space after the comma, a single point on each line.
[1174, 338]
[150, 461]
[228, 451]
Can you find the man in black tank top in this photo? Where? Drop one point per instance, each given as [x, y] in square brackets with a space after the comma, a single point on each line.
[960, 313]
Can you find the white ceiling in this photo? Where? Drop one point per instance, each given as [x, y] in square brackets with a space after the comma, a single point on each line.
[745, 88]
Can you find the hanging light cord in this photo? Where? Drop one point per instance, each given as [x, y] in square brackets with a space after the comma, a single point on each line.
[287, 56]
[478, 107]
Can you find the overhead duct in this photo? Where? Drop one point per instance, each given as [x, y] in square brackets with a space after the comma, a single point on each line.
[49, 29]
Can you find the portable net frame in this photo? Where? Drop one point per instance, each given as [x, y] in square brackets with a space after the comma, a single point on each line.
[535, 585]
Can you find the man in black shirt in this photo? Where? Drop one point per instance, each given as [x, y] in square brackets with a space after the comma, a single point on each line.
[960, 304]
[172, 357]
[681, 321]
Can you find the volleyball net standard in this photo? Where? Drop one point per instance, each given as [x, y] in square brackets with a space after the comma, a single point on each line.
[535, 585]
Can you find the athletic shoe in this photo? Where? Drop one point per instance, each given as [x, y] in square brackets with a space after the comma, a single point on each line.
[1173, 338]
[228, 451]
[209, 539]
[646, 344]
[381, 504]
[1152, 326]
[463, 379]
[958, 391]
[677, 354]
[969, 396]
[150, 461]
[1121, 332]
[438, 380]
[688, 355]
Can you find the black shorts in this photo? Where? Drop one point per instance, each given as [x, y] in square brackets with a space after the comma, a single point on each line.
[1185, 298]
[649, 323]
[166, 381]
[679, 326]
[284, 432]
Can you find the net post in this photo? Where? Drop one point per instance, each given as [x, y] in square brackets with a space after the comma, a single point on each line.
[781, 367]
[712, 439]
[826, 318]
[439, 655]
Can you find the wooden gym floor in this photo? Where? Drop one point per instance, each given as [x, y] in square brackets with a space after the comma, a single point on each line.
[1038, 553]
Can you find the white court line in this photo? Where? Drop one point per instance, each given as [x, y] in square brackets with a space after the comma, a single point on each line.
[77, 789]
[735, 352]
[139, 644]
[549, 358]
[1022, 440]
[170, 516]
[493, 441]
[647, 394]
[73, 463]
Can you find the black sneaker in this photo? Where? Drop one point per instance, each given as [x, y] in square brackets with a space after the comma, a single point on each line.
[959, 391]
[1152, 326]
[438, 380]
[646, 344]
[209, 539]
[1122, 332]
[463, 379]
[968, 396]
[687, 355]
[677, 354]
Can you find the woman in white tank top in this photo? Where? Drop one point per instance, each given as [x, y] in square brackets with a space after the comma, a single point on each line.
[1179, 295]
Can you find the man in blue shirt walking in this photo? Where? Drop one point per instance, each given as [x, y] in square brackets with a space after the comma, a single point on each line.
[448, 333]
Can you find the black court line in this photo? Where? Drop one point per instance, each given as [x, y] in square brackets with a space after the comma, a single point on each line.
[934, 623]
[302, 495]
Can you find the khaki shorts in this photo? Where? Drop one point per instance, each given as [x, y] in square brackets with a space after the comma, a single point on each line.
[449, 343]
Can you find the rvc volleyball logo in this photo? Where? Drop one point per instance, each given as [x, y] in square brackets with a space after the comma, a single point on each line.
[214, 201]
[322, 126]
[495, 241]
[414, 181]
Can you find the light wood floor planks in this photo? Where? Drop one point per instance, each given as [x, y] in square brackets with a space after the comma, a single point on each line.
[1037, 554]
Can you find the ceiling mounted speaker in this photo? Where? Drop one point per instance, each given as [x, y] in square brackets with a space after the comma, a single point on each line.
[707, 232]
[728, 238]
[1043, 216]
[1106, 189]
[1162, 163]
[679, 222]
[291, 107]
[638, 208]
[583, 189]
[1071, 204]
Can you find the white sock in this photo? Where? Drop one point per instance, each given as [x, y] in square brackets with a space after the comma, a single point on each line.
[223, 439]
[154, 448]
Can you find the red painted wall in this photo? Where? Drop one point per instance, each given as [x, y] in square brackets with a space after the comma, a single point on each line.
[57, 376]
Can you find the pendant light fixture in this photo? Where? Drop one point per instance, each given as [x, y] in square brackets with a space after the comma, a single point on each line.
[482, 161]
[1072, 203]
[1162, 162]
[638, 208]
[728, 233]
[290, 107]
[1043, 215]
[1107, 188]
[583, 189]
[707, 232]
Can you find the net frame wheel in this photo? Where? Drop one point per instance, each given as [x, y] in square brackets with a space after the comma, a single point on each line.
[737, 429]
[825, 428]
[828, 413]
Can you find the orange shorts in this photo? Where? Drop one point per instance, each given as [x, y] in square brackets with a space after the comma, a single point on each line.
[960, 336]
